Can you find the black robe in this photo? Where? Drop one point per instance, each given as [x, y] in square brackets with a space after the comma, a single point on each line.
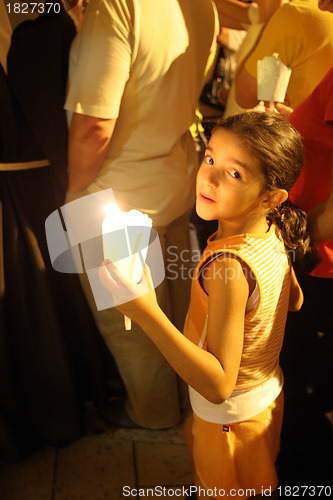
[52, 357]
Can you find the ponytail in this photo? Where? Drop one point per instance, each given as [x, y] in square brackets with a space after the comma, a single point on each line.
[292, 224]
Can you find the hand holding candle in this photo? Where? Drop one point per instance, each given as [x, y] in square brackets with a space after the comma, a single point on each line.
[135, 300]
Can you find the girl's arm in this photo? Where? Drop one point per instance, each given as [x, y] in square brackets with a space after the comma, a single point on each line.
[296, 295]
[212, 373]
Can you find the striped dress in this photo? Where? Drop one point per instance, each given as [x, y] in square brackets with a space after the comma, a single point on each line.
[241, 454]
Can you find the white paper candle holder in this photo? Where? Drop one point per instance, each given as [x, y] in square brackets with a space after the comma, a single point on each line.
[273, 79]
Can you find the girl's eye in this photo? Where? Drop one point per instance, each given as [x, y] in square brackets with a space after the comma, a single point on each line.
[209, 160]
[235, 174]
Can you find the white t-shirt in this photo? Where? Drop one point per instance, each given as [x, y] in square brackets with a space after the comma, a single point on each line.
[142, 62]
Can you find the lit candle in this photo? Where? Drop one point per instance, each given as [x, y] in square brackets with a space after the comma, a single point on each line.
[125, 242]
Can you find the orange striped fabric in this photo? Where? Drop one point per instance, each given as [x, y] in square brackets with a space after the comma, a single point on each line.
[266, 257]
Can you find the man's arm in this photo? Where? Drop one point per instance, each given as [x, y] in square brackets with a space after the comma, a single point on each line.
[320, 218]
[245, 89]
[245, 84]
[232, 13]
[89, 139]
[268, 42]
[256, 12]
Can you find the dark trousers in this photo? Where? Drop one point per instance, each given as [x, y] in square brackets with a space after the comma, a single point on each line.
[306, 456]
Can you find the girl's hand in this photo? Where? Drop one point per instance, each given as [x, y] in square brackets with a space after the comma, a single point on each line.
[137, 301]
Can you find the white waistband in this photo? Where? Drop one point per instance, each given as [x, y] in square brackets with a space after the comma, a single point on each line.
[241, 406]
[24, 165]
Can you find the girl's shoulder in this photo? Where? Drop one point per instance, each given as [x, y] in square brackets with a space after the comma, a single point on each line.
[247, 246]
[256, 257]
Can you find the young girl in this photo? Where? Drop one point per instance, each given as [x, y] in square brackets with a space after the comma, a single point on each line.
[242, 289]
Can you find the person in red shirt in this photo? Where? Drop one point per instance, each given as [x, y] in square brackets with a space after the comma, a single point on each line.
[306, 442]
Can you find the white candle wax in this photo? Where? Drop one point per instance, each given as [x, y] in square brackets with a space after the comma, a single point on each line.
[125, 241]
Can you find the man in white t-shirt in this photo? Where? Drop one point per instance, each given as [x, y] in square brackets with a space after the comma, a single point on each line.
[136, 73]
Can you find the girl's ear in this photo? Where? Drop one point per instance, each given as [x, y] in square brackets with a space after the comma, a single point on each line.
[274, 198]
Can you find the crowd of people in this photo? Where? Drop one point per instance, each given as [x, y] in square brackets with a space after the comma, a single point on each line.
[106, 94]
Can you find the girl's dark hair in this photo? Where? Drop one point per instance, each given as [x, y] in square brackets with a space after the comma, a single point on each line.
[280, 150]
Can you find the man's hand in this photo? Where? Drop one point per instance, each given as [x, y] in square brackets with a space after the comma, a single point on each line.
[283, 109]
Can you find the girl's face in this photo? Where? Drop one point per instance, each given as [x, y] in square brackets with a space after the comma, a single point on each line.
[230, 182]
